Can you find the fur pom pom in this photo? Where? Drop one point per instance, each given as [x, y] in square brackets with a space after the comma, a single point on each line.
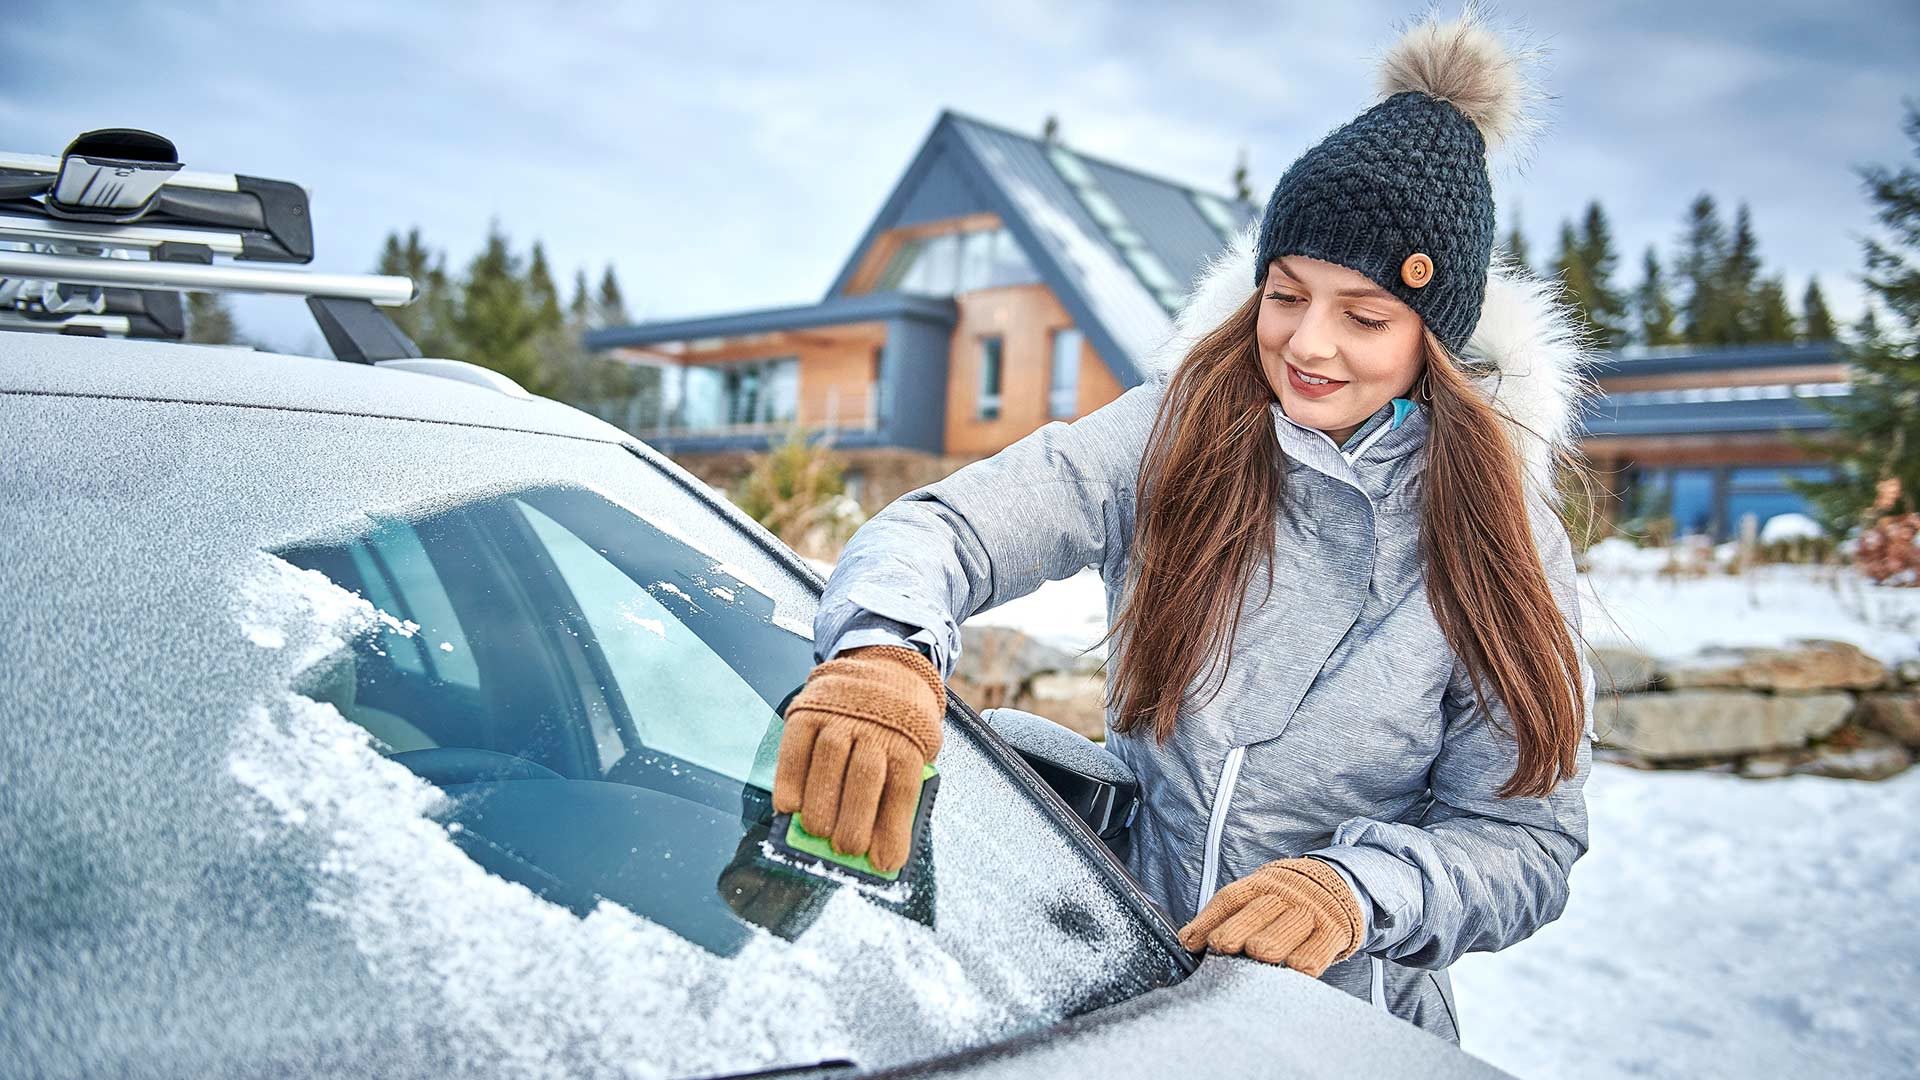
[1465, 63]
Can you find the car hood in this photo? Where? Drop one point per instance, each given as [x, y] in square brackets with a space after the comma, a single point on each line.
[1230, 1018]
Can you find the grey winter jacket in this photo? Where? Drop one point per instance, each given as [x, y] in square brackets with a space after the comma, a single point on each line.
[1346, 728]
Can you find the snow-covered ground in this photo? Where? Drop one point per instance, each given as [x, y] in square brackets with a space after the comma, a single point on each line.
[1719, 927]
[1626, 600]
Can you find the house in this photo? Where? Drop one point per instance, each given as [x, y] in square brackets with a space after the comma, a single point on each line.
[1006, 282]
[1009, 281]
[1705, 436]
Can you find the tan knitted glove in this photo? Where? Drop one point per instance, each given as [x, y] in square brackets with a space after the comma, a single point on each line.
[858, 736]
[1295, 912]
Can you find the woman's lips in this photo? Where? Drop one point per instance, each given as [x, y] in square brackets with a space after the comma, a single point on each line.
[1307, 389]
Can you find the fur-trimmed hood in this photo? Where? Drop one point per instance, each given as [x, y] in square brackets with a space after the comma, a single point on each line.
[1528, 338]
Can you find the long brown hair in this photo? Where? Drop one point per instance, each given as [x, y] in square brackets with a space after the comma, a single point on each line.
[1211, 482]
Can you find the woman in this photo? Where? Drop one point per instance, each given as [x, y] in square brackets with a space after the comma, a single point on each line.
[1343, 609]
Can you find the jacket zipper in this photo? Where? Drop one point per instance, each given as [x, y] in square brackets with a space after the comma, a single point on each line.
[1364, 443]
[1217, 825]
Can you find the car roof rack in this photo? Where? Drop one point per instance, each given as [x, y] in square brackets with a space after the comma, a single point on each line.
[103, 239]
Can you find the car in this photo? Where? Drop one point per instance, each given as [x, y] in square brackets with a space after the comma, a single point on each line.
[380, 718]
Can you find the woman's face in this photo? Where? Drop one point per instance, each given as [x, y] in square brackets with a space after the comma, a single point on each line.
[1322, 321]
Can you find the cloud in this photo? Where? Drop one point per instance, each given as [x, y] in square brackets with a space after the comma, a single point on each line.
[727, 164]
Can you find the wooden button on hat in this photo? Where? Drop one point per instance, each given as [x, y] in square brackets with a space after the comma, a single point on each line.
[1417, 270]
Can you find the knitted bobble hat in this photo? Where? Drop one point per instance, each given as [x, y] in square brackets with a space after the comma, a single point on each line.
[1401, 193]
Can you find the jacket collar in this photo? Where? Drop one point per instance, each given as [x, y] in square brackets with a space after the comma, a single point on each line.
[1372, 461]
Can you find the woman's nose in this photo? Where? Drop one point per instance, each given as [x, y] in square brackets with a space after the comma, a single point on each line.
[1312, 340]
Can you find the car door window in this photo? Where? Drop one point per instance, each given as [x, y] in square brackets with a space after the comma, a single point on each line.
[611, 737]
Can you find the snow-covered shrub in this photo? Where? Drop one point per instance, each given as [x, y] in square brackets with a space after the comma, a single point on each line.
[1886, 551]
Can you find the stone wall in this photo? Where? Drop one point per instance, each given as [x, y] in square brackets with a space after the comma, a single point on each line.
[1818, 707]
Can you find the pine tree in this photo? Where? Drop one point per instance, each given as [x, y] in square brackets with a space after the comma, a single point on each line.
[1703, 256]
[497, 321]
[1605, 304]
[429, 320]
[1876, 433]
[618, 392]
[209, 319]
[1241, 191]
[580, 308]
[1572, 272]
[1586, 263]
[541, 292]
[610, 307]
[1816, 323]
[1772, 319]
[1652, 307]
[1740, 280]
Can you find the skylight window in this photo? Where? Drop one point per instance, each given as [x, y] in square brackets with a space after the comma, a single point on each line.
[1124, 237]
[1218, 214]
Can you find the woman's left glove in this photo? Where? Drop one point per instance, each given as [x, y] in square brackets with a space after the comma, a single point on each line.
[1295, 912]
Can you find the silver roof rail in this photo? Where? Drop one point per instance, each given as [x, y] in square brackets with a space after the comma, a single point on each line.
[72, 228]
[194, 277]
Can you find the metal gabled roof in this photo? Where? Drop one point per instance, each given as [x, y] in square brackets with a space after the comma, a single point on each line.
[1678, 359]
[1013, 176]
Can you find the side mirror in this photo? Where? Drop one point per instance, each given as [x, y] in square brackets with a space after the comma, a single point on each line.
[1099, 787]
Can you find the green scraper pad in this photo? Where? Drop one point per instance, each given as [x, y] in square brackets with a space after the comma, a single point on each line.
[788, 836]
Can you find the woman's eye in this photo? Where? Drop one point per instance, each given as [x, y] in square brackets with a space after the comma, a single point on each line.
[1364, 321]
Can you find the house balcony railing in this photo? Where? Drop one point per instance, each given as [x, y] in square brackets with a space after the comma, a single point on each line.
[641, 417]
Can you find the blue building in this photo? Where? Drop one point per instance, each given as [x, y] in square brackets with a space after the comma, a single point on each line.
[1702, 435]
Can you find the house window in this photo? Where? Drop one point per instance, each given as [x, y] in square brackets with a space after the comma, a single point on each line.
[1063, 389]
[952, 263]
[1765, 492]
[990, 349]
[753, 392]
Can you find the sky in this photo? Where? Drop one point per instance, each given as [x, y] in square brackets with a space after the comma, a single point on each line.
[725, 164]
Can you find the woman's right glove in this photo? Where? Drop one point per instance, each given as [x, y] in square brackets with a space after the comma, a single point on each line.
[858, 736]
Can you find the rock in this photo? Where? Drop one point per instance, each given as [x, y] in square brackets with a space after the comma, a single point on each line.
[1075, 702]
[999, 661]
[1865, 755]
[1613, 755]
[1618, 669]
[980, 697]
[1683, 724]
[1000, 667]
[1908, 672]
[1894, 714]
[1807, 665]
[1773, 765]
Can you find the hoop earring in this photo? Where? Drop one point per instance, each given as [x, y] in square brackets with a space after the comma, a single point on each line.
[1426, 392]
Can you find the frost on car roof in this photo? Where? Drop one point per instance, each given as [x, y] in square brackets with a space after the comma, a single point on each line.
[165, 371]
[208, 873]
